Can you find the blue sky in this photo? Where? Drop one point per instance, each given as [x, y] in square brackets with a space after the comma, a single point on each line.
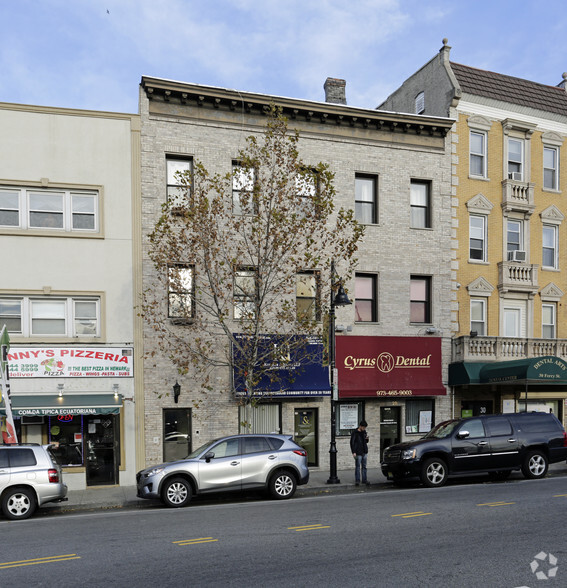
[91, 54]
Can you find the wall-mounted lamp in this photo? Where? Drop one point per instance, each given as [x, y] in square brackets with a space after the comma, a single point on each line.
[60, 389]
[432, 330]
[473, 334]
[115, 388]
[176, 392]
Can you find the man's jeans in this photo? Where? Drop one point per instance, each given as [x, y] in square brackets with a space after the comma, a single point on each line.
[360, 464]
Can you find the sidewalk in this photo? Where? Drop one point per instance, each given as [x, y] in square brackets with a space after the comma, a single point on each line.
[115, 497]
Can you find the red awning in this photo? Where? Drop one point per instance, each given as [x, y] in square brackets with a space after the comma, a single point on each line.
[382, 367]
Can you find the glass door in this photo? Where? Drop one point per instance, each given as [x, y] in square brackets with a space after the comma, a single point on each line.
[101, 449]
[176, 433]
[305, 427]
[389, 427]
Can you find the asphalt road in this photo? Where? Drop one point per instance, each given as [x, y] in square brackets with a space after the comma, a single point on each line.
[464, 535]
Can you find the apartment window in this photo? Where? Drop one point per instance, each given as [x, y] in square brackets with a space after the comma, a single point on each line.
[548, 329]
[549, 246]
[57, 210]
[478, 316]
[550, 168]
[365, 298]
[420, 217]
[515, 159]
[477, 154]
[514, 232]
[420, 103]
[420, 299]
[181, 291]
[51, 316]
[306, 190]
[308, 296]
[178, 190]
[242, 186]
[366, 204]
[245, 293]
[477, 237]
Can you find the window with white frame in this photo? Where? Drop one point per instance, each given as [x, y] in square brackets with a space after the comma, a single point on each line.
[514, 235]
[549, 246]
[308, 296]
[420, 204]
[550, 168]
[181, 294]
[306, 184]
[420, 103]
[245, 292]
[548, 322]
[178, 174]
[242, 186]
[477, 237]
[477, 154]
[51, 316]
[515, 159]
[478, 316]
[52, 210]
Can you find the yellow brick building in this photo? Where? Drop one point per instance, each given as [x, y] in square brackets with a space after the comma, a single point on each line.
[509, 233]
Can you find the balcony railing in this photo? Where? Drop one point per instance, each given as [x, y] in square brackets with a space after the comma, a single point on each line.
[506, 348]
[518, 195]
[517, 276]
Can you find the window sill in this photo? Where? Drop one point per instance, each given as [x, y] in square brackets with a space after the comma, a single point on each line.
[479, 178]
[549, 269]
[181, 321]
[479, 262]
[422, 228]
[551, 190]
[50, 233]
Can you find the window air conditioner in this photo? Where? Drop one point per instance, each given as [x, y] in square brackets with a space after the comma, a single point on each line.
[516, 256]
[517, 176]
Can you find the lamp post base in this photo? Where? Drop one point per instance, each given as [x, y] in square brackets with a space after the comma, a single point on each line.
[333, 480]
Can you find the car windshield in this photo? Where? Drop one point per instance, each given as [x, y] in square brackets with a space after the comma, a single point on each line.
[200, 450]
[442, 430]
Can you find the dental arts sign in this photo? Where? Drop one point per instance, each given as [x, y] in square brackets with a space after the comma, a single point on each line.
[396, 367]
[70, 362]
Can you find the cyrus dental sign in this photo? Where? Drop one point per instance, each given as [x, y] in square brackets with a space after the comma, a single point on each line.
[389, 366]
[70, 362]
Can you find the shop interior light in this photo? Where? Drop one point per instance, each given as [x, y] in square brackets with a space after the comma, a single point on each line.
[115, 388]
[60, 389]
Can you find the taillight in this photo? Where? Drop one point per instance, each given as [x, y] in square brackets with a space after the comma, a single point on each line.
[564, 439]
[301, 452]
[53, 476]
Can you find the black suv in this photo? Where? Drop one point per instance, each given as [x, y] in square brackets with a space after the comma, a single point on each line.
[496, 444]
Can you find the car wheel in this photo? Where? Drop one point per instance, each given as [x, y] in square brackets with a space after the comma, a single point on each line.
[176, 493]
[282, 485]
[535, 465]
[18, 503]
[434, 472]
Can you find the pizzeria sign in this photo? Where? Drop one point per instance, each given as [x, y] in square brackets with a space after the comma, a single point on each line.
[70, 362]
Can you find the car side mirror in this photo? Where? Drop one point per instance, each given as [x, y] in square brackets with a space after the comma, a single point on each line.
[462, 434]
[208, 456]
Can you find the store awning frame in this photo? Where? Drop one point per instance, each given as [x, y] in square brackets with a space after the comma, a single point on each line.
[68, 404]
[546, 370]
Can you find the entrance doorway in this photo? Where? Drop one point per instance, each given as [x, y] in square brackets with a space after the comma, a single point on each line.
[101, 449]
[470, 408]
[389, 427]
[306, 427]
[176, 433]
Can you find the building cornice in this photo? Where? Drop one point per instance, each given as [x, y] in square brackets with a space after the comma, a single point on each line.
[209, 97]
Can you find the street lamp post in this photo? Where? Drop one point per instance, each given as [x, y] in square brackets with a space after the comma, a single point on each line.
[338, 299]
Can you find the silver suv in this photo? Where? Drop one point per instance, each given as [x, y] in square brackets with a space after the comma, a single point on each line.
[29, 477]
[238, 462]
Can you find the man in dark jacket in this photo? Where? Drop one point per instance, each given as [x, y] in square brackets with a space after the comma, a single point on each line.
[359, 448]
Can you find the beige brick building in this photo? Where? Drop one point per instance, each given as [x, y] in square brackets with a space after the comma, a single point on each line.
[402, 291]
[509, 232]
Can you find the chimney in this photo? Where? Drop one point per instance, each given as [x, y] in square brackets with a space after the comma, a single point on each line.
[335, 91]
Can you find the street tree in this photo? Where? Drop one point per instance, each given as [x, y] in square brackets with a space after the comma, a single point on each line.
[245, 259]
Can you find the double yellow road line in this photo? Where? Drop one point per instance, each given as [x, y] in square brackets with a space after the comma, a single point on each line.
[39, 560]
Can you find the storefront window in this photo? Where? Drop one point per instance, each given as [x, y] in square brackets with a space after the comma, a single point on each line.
[419, 416]
[66, 433]
[349, 414]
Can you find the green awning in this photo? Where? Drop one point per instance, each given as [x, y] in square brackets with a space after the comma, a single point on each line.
[68, 404]
[538, 370]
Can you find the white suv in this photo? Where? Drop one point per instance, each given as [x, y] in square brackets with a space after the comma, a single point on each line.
[29, 477]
